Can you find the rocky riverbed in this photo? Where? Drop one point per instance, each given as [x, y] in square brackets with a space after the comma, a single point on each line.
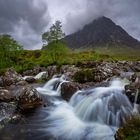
[18, 93]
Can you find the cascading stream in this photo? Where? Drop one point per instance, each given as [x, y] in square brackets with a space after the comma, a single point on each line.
[53, 86]
[93, 113]
[107, 105]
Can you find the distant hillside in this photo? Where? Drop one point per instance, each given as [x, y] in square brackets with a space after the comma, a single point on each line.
[101, 32]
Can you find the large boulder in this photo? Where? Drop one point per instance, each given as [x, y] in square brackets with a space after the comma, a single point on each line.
[29, 98]
[69, 88]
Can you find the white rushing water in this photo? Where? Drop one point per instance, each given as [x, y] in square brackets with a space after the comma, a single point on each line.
[53, 86]
[92, 114]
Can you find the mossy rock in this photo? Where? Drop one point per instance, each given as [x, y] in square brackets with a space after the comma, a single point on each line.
[84, 75]
[130, 130]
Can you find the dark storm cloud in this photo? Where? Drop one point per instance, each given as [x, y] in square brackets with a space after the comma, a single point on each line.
[24, 19]
[80, 12]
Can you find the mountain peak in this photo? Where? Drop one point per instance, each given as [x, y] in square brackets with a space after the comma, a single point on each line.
[101, 32]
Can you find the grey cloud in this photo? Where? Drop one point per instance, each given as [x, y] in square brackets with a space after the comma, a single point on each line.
[24, 19]
[123, 12]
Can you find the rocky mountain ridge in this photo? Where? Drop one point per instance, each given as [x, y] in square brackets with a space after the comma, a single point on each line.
[101, 32]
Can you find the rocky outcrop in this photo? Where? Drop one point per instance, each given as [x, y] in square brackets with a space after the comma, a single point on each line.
[101, 32]
[29, 98]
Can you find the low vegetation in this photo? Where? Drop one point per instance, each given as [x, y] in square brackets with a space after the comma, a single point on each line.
[56, 55]
[131, 130]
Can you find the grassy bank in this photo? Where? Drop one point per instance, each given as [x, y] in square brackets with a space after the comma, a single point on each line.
[27, 59]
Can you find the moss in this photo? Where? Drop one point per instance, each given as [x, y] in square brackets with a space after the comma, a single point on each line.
[130, 130]
[85, 75]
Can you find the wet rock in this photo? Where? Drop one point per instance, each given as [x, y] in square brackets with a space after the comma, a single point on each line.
[29, 98]
[52, 70]
[10, 77]
[132, 90]
[30, 79]
[22, 83]
[1, 82]
[5, 96]
[6, 110]
[34, 71]
[69, 70]
[7, 81]
[38, 69]
[42, 76]
[70, 88]
[12, 74]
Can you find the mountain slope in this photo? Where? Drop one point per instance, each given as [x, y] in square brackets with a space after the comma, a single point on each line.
[101, 32]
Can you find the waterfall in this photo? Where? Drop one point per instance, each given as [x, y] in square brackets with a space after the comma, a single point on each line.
[94, 113]
[106, 105]
[53, 86]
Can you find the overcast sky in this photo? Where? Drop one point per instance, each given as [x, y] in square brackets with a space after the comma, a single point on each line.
[26, 20]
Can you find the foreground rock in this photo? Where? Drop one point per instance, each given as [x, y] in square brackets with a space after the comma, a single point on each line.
[29, 98]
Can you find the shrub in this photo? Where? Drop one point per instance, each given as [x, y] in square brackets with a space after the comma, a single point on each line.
[130, 130]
